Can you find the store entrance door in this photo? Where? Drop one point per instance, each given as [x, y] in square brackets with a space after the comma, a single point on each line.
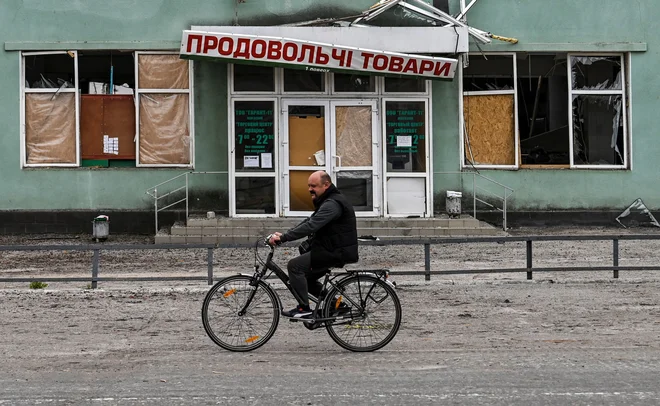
[338, 136]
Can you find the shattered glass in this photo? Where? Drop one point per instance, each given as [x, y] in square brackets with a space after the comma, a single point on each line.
[637, 214]
[598, 129]
[596, 72]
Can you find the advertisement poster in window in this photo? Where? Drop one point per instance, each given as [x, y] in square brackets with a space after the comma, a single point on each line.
[254, 136]
[405, 130]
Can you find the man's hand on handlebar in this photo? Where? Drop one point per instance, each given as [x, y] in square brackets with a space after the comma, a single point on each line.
[274, 239]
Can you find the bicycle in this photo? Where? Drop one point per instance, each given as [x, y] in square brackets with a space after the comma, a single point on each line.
[359, 308]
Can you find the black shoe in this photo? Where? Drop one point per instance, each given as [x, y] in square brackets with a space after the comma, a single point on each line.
[299, 312]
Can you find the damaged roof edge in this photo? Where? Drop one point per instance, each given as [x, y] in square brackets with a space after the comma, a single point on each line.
[438, 40]
[561, 47]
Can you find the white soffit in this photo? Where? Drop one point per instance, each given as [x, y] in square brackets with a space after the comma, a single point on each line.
[423, 40]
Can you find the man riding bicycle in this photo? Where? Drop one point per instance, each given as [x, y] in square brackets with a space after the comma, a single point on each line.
[332, 232]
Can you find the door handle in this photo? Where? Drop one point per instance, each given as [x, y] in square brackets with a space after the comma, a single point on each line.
[338, 161]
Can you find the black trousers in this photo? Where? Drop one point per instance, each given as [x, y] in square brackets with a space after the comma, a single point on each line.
[303, 278]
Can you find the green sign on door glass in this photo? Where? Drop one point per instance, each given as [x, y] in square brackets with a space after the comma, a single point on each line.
[254, 132]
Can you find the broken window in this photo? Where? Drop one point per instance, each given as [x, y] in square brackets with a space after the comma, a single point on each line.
[599, 118]
[80, 109]
[107, 118]
[559, 115]
[163, 94]
[488, 111]
[50, 94]
[543, 114]
[354, 83]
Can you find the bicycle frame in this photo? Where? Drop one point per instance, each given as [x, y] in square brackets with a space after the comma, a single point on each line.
[269, 265]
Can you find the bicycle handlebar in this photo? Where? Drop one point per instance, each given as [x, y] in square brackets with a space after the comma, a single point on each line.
[267, 241]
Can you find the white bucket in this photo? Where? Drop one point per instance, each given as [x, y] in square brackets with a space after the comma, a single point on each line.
[453, 203]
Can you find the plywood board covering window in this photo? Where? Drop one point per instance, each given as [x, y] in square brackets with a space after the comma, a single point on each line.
[163, 72]
[164, 129]
[490, 129]
[165, 98]
[50, 128]
[354, 135]
[306, 136]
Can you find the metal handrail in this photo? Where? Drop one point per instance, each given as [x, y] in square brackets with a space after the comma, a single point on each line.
[506, 193]
[153, 192]
[163, 183]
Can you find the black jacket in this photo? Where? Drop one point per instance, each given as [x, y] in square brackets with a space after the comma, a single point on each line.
[336, 243]
[333, 231]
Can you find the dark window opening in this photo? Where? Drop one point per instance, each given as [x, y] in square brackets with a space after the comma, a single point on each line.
[303, 81]
[354, 83]
[97, 69]
[254, 78]
[405, 85]
[49, 71]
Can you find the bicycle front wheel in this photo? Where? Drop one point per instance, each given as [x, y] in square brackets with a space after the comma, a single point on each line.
[370, 310]
[222, 318]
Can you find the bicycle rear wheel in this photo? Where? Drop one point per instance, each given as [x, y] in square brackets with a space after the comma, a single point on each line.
[371, 313]
[234, 332]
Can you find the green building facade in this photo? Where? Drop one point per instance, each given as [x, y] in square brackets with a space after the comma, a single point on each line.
[100, 106]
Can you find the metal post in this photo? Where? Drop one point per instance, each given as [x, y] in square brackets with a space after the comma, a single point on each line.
[427, 262]
[187, 198]
[615, 256]
[529, 259]
[95, 268]
[209, 258]
[156, 208]
[474, 195]
[504, 209]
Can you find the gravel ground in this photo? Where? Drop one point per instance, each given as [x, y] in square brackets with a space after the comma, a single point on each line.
[579, 338]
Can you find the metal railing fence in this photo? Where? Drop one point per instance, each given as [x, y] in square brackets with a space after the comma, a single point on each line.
[529, 269]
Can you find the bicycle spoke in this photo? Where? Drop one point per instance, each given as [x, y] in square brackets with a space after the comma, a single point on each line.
[380, 317]
[236, 332]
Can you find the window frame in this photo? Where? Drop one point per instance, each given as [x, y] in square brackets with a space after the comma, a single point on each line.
[577, 92]
[427, 139]
[516, 132]
[191, 109]
[327, 82]
[277, 78]
[366, 95]
[381, 89]
[625, 92]
[23, 124]
[233, 173]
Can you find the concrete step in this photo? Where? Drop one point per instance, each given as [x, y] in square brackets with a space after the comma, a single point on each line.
[257, 231]
[224, 230]
[284, 223]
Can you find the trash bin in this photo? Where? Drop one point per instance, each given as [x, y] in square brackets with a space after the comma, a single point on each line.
[101, 227]
[453, 203]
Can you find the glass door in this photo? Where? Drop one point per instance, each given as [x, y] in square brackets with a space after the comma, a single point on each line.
[339, 137]
[355, 153]
[305, 141]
